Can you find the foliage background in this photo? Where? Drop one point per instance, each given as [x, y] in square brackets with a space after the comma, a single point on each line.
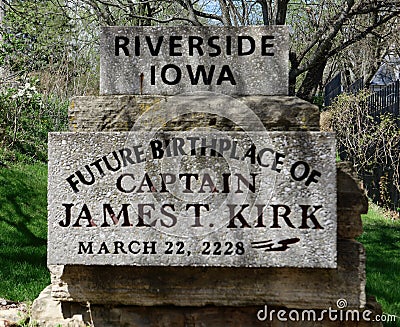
[372, 144]
[53, 46]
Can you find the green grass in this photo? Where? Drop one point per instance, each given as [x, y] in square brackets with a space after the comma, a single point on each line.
[381, 239]
[23, 231]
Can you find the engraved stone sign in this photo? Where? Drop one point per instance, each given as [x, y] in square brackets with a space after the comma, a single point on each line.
[240, 199]
[247, 60]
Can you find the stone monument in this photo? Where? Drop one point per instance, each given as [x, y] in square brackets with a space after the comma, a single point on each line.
[195, 192]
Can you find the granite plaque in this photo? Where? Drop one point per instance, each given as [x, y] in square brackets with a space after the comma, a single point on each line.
[248, 60]
[239, 199]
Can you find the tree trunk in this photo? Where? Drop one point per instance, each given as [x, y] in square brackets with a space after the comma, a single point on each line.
[294, 65]
[1, 11]
[292, 83]
[281, 11]
[313, 77]
[145, 11]
[264, 9]
[225, 13]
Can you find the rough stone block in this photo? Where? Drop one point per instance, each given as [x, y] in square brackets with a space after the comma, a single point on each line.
[352, 202]
[210, 316]
[249, 113]
[350, 194]
[81, 315]
[349, 224]
[48, 312]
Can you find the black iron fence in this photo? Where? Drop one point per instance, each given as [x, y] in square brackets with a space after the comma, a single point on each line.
[336, 87]
[386, 100]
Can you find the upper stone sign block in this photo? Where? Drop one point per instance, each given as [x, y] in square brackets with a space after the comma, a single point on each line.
[174, 60]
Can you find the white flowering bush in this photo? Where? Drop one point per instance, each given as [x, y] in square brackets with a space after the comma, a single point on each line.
[26, 116]
[27, 92]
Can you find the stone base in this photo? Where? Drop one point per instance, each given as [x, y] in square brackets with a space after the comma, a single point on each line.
[168, 296]
[48, 312]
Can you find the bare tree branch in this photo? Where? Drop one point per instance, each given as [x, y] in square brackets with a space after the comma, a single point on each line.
[226, 19]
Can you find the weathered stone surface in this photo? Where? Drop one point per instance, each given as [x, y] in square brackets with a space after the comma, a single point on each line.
[11, 317]
[191, 286]
[210, 316]
[352, 202]
[275, 211]
[260, 67]
[250, 113]
[48, 312]
[284, 113]
[349, 224]
[350, 195]
[13, 314]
